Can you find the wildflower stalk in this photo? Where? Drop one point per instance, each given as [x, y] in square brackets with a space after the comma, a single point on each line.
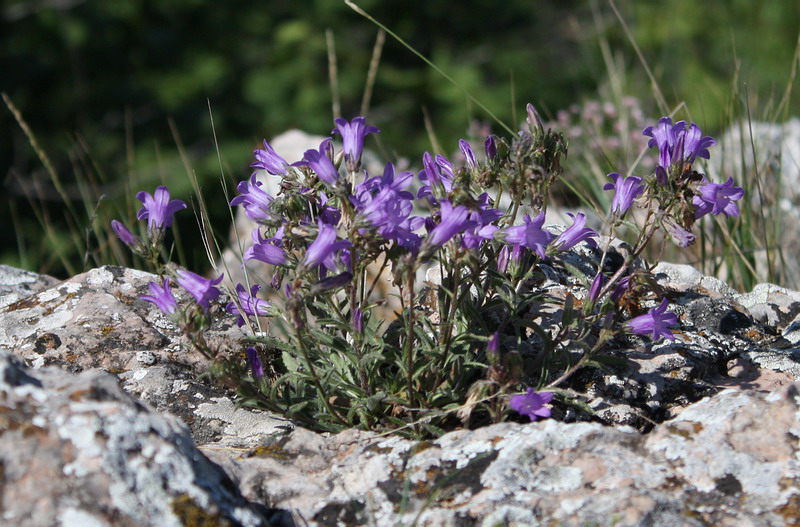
[321, 392]
[408, 300]
[445, 335]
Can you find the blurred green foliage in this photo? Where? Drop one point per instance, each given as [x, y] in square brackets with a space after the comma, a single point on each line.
[111, 88]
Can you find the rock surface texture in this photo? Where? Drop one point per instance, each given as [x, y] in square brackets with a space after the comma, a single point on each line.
[719, 408]
[79, 451]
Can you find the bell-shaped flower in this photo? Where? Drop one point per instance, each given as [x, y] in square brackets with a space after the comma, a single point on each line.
[490, 146]
[532, 404]
[249, 302]
[655, 322]
[266, 250]
[437, 177]
[158, 209]
[679, 235]
[716, 198]
[202, 289]
[469, 155]
[453, 221]
[254, 361]
[162, 297]
[530, 235]
[122, 232]
[322, 250]
[575, 233]
[269, 160]
[353, 134]
[626, 189]
[255, 200]
[320, 162]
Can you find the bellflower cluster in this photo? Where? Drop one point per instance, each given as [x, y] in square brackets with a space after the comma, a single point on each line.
[678, 146]
[364, 343]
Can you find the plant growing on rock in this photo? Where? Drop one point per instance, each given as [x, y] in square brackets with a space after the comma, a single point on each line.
[506, 312]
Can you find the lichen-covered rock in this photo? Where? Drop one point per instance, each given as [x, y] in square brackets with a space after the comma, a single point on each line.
[79, 451]
[97, 320]
[732, 459]
[713, 456]
[17, 283]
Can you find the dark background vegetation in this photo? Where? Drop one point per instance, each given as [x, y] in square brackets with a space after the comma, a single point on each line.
[115, 91]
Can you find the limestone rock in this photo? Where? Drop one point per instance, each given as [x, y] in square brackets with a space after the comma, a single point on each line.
[96, 320]
[731, 459]
[79, 451]
[17, 283]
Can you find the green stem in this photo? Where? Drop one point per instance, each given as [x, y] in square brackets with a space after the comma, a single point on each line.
[409, 343]
[320, 390]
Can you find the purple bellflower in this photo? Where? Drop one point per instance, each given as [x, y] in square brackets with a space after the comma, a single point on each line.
[250, 303]
[597, 286]
[267, 251]
[437, 175]
[255, 200]
[254, 361]
[122, 232]
[654, 323]
[626, 189]
[575, 233]
[158, 209]
[320, 162]
[353, 134]
[267, 159]
[532, 404]
[469, 155]
[202, 289]
[162, 297]
[484, 228]
[490, 146]
[718, 199]
[321, 251]
[358, 320]
[329, 214]
[677, 145]
[386, 211]
[679, 235]
[398, 183]
[530, 234]
[453, 221]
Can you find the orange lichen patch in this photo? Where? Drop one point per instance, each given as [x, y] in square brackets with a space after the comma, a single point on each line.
[684, 429]
[790, 510]
[191, 514]
[273, 450]
[25, 303]
[9, 422]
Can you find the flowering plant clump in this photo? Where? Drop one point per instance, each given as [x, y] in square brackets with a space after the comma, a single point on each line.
[467, 344]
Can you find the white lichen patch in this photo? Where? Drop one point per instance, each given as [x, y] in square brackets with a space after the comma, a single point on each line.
[101, 276]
